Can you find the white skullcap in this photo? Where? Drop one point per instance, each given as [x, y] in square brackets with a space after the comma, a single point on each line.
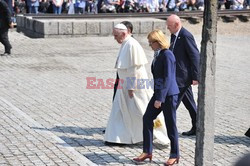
[120, 26]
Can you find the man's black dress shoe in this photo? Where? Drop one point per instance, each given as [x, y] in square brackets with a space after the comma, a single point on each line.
[113, 144]
[189, 133]
[248, 133]
[5, 54]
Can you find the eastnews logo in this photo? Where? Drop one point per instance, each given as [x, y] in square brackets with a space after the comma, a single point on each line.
[128, 83]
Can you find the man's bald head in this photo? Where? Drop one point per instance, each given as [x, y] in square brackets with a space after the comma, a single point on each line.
[173, 23]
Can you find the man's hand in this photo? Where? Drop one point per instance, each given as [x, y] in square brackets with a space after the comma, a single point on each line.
[195, 82]
[131, 93]
[157, 104]
[11, 25]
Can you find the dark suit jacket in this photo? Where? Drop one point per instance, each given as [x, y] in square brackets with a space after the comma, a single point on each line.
[5, 15]
[163, 70]
[9, 3]
[187, 58]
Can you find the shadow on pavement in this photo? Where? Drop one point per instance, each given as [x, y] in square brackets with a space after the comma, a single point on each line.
[90, 137]
[231, 139]
[226, 139]
[73, 130]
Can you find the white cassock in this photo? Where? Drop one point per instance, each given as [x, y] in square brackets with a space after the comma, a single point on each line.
[125, 121]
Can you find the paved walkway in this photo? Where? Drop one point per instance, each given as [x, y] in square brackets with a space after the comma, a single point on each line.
[48, 117]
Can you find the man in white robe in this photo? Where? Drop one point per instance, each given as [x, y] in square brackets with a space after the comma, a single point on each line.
[130, 101]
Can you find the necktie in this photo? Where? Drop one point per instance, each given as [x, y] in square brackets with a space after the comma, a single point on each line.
[172, 42]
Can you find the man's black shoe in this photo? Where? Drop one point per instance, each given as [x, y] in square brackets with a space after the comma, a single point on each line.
[113, 144]
[190, 132]
[5, 54]
[248, 133]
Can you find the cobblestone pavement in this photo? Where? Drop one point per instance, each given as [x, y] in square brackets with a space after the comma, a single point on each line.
[48, 117]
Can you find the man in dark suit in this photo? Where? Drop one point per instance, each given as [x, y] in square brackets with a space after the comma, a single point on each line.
[5, 24]
[187, 66]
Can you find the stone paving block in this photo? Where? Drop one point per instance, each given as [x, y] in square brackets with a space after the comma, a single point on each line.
[65, 27]
[79, 27]
[160, 24]
[50, 27]
[106, 28]
[39, 27]
[29, 24]
[93, 28]
[20, 21]
[136, 26]
[146, 26]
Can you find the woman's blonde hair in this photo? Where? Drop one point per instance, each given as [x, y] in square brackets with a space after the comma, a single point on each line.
[159, 37]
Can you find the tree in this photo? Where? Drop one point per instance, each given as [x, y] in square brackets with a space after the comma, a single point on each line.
[206, 90]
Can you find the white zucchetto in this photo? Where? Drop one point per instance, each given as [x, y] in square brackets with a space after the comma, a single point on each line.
[120, 26]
